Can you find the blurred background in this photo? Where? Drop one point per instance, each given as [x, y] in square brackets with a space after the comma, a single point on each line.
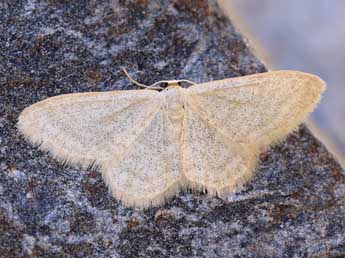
[308, 36]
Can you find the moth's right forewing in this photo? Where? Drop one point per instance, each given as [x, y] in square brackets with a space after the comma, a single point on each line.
[257, 109]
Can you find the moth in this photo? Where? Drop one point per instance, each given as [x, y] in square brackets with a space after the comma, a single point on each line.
[150, 143]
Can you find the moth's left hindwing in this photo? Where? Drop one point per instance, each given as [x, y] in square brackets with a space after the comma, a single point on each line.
[150, 170]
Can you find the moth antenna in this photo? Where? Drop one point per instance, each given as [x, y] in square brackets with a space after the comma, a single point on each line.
[153, 87]
[131, 79]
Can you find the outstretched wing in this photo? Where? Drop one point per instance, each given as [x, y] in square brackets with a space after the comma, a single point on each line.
[89, 127]
[210, 161]
[150, 169]
[228, 121]
[258, 108]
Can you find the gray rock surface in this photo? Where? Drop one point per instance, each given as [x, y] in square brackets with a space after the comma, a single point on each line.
[294, 207]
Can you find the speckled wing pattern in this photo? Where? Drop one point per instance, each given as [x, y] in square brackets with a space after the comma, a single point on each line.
[123, 132]
[150, 169]
[227, 122]
[88, 128]
[210, 160]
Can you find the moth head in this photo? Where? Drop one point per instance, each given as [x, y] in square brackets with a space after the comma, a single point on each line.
[176, 83]
[170, 84]
[160, 85]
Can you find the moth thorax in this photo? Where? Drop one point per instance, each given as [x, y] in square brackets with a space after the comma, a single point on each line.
[174, 103]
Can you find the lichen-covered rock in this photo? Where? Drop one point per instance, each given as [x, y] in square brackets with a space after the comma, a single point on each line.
[295, 206]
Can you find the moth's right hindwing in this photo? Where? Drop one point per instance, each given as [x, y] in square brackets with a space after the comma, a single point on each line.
[210, 161]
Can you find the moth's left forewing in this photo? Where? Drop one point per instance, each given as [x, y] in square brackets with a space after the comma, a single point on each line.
[88, 128]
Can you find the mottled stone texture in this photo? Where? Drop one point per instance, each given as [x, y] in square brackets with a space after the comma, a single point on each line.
[293, 208]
